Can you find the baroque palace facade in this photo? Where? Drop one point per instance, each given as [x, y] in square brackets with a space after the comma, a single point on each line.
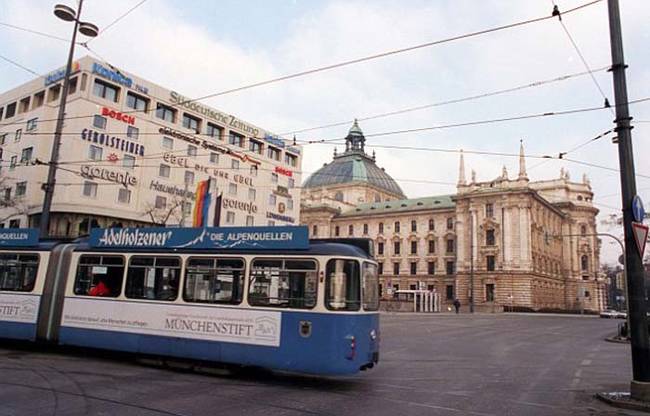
[508, 242]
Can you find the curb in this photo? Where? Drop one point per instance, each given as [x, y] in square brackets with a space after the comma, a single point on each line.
[623, 401]
[616, 340]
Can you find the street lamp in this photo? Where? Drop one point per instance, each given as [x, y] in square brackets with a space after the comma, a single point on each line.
[67, 14]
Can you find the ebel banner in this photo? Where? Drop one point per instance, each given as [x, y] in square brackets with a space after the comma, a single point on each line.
[19, 237]
[236, 238]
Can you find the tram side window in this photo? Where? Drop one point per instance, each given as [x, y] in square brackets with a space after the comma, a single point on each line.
[99, 276]
[370, 287]
[343, 286]
[154, 278]
[283, 283]
[214, 280]
[18, 272]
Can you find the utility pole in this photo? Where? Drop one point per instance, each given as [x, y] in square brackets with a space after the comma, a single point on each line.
[471, 261]
[640, 386]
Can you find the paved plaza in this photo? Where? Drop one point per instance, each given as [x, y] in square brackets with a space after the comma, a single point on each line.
[429, 365]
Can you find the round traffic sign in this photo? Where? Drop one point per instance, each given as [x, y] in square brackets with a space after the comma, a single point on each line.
[637, 209]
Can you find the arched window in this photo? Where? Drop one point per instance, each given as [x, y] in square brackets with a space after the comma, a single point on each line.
[584, 263]
[431, 225]
[339, 196]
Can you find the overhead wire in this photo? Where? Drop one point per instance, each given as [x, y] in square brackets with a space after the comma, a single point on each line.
[35, 32]
[122, 16]
[23, 67]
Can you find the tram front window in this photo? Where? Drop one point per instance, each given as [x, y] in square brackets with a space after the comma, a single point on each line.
[370, 287]
[154, 278]
[18, 272]
[343, 286]
[283, 283]
[214, 280]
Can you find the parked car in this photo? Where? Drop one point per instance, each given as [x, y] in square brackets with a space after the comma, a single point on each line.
[610, 313]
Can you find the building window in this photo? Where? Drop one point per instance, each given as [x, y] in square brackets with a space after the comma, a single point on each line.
[123, 196]
[289, 204]
[414, 226]
[271, 223]
[414, 247]
[39, 100]
[105, 90]
[95, 152]
[250, 220]
[380, 268]
[99, 122]
[19, 134]
[431, 268]
[584, 263]
[136, 102]
[583, 230]
[396, 269]
[24, 105]
[414, 268]
[273, 153]
[16, 224]
[166, 113]
[189, 177]
[3, 138]
[32, 124]
[90, 189]
[54, 93]
[291, 183]
[314, 230]
[167, 143]
[255, 146]
[489, 210]
[274, 177]
[338, 196]
[432, 246]
[26, 155]
[450, 267]
[251, 194]
[431, 225]
[230, 217]
[253, 170]
[132, 132]
[164, 171]
[380, 249]
[72, 88]
[365, 229]
[236, 139]
[489, 292]
[450, 245]
[489, 237]
[381, 228]
[232, 189]
[234, 164]
[490, 263]
[396, 248]
[161, 202]
[191, 123]
[214, 158]
[128, 161]
[215, 131]
[337, 231]
[450, 223]
[449, 292]
[350, 229]
[21, 189]
[11, 110]
[273, 200]
[7, 194]
[397, 227]
[12, 163]
[290, 160]
[191, 150]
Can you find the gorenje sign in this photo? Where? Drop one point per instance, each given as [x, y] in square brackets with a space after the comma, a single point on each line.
[239, 238]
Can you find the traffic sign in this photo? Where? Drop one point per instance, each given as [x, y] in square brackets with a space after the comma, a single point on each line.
[640, 232]
[637, 209]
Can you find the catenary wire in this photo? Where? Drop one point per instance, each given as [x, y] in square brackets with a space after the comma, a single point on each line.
[108, 26]
[35, 32]
[4, 58]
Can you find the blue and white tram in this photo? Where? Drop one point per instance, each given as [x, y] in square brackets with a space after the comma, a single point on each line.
[269, 298]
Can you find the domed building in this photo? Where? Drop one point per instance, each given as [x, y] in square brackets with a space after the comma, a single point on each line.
[507, 243]
[352, 178]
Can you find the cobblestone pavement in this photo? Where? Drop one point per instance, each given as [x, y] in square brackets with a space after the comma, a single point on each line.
[429, 365]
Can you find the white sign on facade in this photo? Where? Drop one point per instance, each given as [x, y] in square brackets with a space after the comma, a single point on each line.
[242, 326]
[18, 308]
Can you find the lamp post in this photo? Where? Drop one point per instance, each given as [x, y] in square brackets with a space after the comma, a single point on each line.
[67, 14]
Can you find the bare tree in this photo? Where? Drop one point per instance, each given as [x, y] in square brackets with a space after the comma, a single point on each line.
[171, 212]
[10, 205]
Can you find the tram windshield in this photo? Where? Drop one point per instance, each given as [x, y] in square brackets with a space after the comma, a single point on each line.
[283, 283]
[18, 272]
[370, 287]
[343, 286]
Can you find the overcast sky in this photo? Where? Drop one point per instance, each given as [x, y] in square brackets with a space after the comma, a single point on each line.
[202, 47]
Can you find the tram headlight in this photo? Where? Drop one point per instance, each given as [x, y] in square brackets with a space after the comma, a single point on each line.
[373, 334]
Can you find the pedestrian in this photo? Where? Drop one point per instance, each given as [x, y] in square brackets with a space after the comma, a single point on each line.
[457, 305]
[100, 289]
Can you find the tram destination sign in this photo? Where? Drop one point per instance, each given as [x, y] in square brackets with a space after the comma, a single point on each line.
[235, 238]
[19, 237]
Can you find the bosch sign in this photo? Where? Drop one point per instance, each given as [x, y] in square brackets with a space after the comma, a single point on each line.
[118, 116]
